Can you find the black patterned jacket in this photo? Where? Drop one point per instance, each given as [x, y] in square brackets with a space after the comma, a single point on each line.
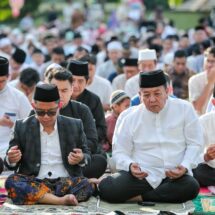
[27, 136]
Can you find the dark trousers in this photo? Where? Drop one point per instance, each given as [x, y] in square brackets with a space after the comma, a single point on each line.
[96, 168]
[1, 165]
[122, 186]
[205, 175]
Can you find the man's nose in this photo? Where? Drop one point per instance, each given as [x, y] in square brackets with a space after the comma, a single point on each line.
[152, 98]
[74, 84]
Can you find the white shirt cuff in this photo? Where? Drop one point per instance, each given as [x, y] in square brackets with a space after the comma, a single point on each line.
[8, 162]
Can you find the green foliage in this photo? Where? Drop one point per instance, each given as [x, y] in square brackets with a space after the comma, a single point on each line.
[30, 6]
[113, 1]
[152, 4]
[5, 10]
[185, 20]
[175, 3]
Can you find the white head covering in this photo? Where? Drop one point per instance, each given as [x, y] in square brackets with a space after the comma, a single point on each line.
[114, 45]
[53, 66]
[168, 58]
[118, 96]
[4, 42]
[147, 54]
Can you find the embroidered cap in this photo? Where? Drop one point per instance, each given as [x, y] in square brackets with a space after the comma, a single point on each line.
[117, 96]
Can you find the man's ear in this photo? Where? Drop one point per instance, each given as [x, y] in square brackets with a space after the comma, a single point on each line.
[60, 104]
[33, 104]
[140, 97]
[213, 101]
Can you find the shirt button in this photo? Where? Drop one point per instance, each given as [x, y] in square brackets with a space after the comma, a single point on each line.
[38, 164]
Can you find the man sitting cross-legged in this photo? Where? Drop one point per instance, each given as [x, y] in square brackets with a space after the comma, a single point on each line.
[64, 82]
[205, 172]
[155, 148]
[47, 151]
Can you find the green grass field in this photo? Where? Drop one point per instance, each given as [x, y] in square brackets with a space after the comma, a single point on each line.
[184, 20]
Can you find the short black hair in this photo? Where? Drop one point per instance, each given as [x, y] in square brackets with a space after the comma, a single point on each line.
[199, 28]
[185, 35]
[214, 92]
[196, 50]
[150, 39]
[207, 43]
[156, 47]
[90, 58]
[180, 54]
[29, 77]
[211, 51]
[61, 75]
[77, 35]
[64, 64]
[58, 51]
[81, 49]
[37, 51]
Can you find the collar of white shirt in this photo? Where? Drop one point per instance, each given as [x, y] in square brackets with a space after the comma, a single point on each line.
[42, 128]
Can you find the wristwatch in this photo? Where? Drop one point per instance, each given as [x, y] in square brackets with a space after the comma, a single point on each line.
[84, 162]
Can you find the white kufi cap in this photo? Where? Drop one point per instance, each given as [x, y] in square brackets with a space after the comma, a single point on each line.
[4, 42]
[147, 54]
[114, 45]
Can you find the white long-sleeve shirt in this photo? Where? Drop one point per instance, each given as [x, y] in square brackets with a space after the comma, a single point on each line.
[102, 88]
[159, 141]
[132, 86]
[208, 124]
[51, 158]
[15, 102]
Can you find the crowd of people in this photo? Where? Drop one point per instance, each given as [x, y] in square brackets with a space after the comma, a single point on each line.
[135, 96]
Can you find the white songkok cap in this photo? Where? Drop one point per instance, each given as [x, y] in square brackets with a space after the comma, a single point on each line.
[4, 42]
[114, 45]
[147, 54]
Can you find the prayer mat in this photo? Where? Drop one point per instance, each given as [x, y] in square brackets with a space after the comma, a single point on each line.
[95, 207]
[3, 192]
[204, 205]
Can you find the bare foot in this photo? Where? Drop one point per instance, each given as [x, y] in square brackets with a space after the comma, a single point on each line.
[70, 199]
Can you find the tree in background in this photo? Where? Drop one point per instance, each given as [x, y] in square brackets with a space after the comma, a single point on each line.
[152, 4]
[174, 3]
[30, 6]
[6, 12]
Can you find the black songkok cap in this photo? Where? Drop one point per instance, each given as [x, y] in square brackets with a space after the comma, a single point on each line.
[46, 93]
[152, 79]
[129, 61]
[4, 65]
[78, 68]
[19, 56]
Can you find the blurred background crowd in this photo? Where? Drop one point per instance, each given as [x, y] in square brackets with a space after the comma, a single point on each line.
[35, 35]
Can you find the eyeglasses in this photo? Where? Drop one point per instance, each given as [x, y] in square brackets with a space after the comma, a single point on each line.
[48, 112]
